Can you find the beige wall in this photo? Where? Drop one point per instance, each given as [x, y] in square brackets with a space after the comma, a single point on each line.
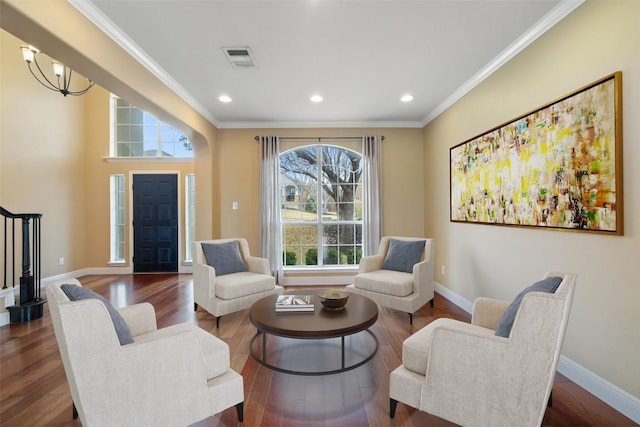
[42, 169]
[595, 40]
[402, 178]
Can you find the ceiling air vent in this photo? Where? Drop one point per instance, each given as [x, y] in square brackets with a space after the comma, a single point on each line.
[240, 57]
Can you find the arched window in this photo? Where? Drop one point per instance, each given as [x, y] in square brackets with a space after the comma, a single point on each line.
[322, 222]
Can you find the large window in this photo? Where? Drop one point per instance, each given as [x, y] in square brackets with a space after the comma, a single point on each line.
[139, 134]
[321, 206]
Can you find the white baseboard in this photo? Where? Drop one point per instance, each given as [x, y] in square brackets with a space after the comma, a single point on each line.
[182, 269]
[612, 395]
[463, 303]
[7, 299]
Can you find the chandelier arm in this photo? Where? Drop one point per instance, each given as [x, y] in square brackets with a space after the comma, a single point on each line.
[82, 92]
[52, 86]
[39, 81]
[67, 79]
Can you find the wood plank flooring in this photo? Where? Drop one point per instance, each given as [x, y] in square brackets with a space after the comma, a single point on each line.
[34, 391]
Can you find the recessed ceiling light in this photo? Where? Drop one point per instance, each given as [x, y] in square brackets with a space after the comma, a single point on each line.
[406, 98]
[224, 98]
[316, 98]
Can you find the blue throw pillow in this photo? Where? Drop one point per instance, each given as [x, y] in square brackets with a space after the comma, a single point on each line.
[550, 285]
[224, 257]
[77, 293]
[403, 255]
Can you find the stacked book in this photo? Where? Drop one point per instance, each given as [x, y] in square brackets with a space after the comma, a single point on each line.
[289, 303]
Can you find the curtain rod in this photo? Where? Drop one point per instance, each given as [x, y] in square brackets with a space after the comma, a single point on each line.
[319, 138]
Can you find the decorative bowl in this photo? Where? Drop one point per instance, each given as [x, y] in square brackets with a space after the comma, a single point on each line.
[333, 299]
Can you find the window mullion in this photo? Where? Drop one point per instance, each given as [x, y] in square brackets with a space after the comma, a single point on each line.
[158, 138]
[320, 208]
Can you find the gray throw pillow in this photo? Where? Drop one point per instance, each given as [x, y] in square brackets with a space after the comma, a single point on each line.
[403, 255]
[224, 257]
[550, 285]
[77, 293]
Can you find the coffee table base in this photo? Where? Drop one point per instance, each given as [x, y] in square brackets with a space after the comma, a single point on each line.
[263, 360]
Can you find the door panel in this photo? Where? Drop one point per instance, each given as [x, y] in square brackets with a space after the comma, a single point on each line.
[155, 223]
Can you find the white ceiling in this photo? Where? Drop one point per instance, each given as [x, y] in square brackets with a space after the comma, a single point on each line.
[360, 55]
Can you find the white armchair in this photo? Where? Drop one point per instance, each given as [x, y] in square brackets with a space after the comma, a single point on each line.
[466, 374]
[173, 376]
[227, 293]
[399, 290]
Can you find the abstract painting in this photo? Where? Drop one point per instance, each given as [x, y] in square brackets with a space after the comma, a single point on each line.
[557, 167]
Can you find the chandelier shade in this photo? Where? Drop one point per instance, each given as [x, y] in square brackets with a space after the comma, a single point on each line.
[62, 81]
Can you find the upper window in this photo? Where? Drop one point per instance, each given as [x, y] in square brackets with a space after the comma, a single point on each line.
[321, 206]
[137, 133]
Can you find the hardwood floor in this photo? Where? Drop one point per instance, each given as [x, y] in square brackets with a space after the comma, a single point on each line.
[34, 392]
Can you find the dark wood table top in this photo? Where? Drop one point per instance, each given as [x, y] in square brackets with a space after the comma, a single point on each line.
[358, 314]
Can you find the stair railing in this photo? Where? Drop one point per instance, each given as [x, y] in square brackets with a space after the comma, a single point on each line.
[31, 302]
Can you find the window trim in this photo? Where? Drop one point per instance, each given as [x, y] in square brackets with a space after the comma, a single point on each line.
[114, 207]
[189, 211]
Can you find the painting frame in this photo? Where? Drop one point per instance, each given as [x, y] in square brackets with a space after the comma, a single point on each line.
[557, 167]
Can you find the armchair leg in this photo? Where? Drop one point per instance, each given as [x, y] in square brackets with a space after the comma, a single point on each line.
[392, 407]
[411, 318]
[75, 411]
[550, 401]
[432, 299]
[195, 306]
[218, 322]
[240, 411]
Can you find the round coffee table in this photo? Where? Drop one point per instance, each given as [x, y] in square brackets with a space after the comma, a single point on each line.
[357, 316]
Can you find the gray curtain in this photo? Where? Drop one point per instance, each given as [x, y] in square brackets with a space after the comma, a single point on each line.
[372, 212]
[270, 235]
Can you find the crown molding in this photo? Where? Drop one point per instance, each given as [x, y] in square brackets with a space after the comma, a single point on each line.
[115, 33]
[307, 125]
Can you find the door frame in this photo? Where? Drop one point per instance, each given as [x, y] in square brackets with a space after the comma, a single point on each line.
[179, 194]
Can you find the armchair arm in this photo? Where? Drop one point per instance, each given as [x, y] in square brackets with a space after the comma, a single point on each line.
[141, 318]
[422, 274]
[258, 265]
[370, 263]
[204, 283]
[487, 312]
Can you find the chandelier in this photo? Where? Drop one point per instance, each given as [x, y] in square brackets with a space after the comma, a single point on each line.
[63, 74]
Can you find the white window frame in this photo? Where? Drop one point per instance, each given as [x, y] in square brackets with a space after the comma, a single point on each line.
[189, 215]
[319, 223]
[117, 190]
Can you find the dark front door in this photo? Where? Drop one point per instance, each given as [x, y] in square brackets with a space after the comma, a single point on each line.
[155, 223]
